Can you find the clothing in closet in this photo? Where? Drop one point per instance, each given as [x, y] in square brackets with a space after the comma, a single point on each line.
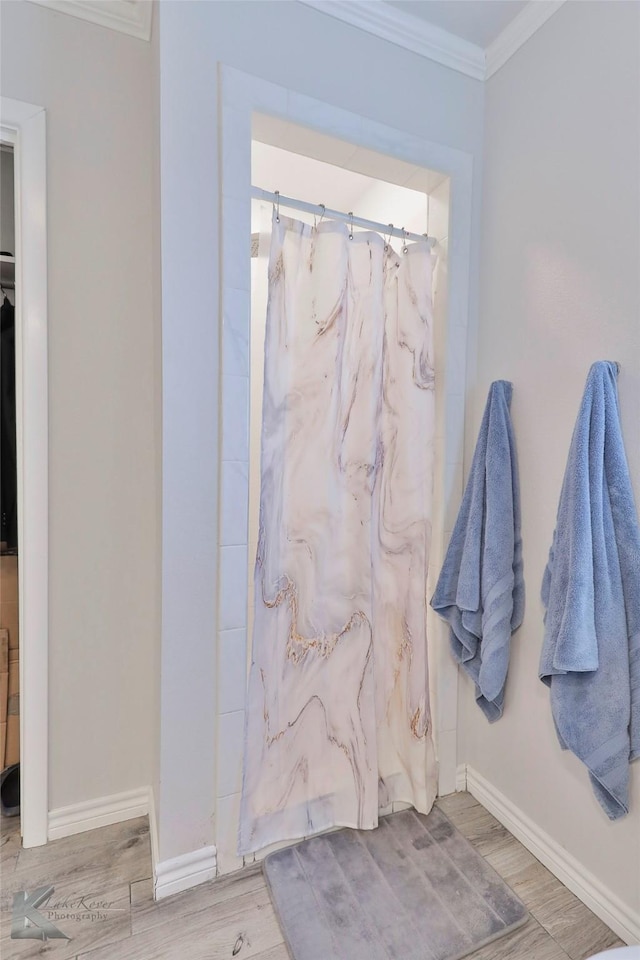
[9, 481]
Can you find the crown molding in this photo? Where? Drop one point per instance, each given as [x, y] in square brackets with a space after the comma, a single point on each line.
[405, 30]
[415, 34]
[132, 17]
[516, 33]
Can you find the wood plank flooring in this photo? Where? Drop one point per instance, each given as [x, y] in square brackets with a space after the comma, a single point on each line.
[103, 901]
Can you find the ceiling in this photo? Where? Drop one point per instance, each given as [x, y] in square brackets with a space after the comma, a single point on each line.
[478, 21]
[338, 187]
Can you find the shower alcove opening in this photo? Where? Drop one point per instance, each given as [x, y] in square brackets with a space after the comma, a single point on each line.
[318, 168]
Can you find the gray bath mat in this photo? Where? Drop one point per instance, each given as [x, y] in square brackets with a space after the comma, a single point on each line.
[413, 889]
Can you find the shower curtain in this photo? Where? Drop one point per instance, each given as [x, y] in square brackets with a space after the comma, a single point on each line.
[337, 718]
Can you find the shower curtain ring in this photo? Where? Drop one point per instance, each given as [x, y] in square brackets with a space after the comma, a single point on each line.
[405, 248]
[387, 243]
[351, 225]
[277, 205]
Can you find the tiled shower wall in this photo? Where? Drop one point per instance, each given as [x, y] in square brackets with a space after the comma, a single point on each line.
[241, 96]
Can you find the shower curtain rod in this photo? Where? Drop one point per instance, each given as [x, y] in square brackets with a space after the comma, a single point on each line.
[387, 230]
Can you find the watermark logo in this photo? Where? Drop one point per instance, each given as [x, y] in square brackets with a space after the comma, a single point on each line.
[27, 923]
[36, 915]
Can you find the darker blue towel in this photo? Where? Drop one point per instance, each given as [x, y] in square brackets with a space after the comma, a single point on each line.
[480, 591]
[591, 592]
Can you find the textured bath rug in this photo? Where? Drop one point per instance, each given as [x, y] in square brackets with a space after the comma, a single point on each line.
[413, 889]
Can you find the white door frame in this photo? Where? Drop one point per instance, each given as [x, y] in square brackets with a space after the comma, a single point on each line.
[242, 95]
[23, 124]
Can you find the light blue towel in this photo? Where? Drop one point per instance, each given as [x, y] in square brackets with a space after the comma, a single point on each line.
[591, 591]
[480, 591]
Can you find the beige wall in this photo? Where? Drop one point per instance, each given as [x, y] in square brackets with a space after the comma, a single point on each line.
[559, 282]
[99, 89]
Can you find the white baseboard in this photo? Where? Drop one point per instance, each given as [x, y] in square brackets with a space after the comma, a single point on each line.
[461, 778]
[181, 873]
[153, 832]
[614, 912]
[171, 876]
[78, 817]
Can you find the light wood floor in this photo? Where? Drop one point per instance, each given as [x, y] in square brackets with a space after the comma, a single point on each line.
[104, 903]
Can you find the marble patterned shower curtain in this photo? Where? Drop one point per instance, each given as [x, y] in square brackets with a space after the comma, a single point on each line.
[337, 719]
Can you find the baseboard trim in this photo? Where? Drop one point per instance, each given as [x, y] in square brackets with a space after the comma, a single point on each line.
[153, 833]
[182, 873]
[605, 904]
[78, 817]
[461, 778]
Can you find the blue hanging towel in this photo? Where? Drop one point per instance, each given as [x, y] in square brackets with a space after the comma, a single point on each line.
[480, 592]
[591, 592]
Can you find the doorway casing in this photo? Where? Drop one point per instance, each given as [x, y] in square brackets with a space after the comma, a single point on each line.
[243, 96]
[23, 125]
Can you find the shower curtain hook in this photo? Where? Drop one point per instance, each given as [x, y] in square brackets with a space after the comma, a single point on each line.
[405, 248]
[316, 222]
[350, 224]
[387, 243]
[277, 205]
